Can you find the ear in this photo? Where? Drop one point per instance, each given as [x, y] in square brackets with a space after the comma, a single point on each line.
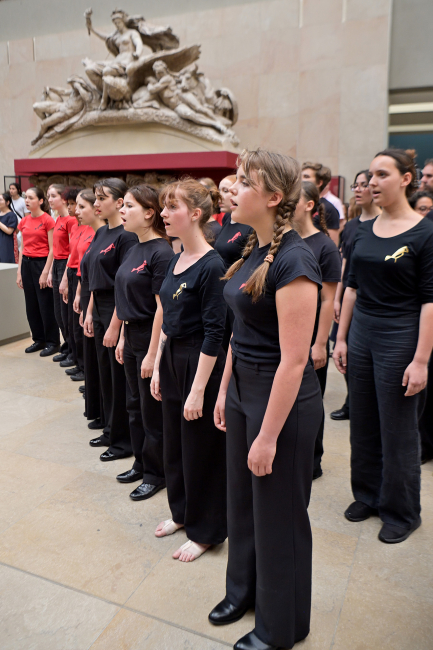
[309, 206]
[406, 179]
[275, 199]
[119, 204]
[196, 215]
[149, 213]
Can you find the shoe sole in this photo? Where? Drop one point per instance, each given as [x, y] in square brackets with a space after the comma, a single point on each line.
[357, 520]
[134, 480]
[107, 460]
[400, 539]
[148, 496]
[232, 620]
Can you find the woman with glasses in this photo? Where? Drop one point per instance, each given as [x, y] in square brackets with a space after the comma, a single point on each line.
[421, 202]
[364, 201]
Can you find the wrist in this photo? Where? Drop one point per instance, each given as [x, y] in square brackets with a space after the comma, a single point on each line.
[420, 360]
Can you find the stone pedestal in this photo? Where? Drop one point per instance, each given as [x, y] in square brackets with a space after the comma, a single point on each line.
[13, 319]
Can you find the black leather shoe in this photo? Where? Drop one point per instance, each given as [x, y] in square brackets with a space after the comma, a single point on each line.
[96, 424]
[67, 363]
[60, 357]
[145, 491]
[49, 350]
[225, 612]
[34, 347]
[100, 441]
[391, 534]
[78, 376]
[317, 473]
[426, 458]
[252, 642]
[72, 371]
[109, 455]
[130, 476]
[82, 389]
[358, 511]
[340, 414]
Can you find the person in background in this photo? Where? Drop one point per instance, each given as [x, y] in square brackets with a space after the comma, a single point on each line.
[18, 206]
[328, 256]
[362, 203]
[8, 225]
[187, 374]
[427, 176]
[225, 196]
[138, 283]
[214, 222]
[388, 305]
[36, 257]
[421, 202]
[321, 176]
[336, 202]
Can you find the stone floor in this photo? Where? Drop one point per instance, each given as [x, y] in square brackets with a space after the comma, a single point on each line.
[80, 567]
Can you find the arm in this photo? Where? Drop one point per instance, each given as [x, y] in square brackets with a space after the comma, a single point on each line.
[88, 323]
[138, 44]
[219, 414]
[193, 408]
[148, 363]
[154, 384]
[112, 334]
[8, 231]
[415, 375]
[339, 293]
[120, 345]
[340, 349]
[296, 308]
[20, 260]
[88, 14]
[319, 350]
[43, 280]
[76, 305]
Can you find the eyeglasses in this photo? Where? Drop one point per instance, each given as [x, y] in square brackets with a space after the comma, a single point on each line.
[424, 208]
[359, 186]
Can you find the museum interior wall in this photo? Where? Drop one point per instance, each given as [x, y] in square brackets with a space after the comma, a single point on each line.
[310, 77]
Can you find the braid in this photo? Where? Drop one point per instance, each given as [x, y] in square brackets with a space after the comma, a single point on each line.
[322, 218]
[252, 241]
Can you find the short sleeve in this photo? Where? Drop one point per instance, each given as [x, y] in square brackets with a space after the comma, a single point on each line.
[425, 270]
[330, 263]
[351, 279]
[293, 263]
[49, 222]
[160, 261]
[126, 241]
[11, 220]
[332, 217]
[70, 224]
[22, 224]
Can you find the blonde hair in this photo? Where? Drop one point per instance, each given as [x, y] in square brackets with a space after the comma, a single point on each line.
[231, 178]
[276, 173]
[195, 195]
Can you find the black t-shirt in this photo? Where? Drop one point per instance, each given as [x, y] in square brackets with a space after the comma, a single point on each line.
[347, 238]
[105, 258]
[393, 275]
[215, 229]
[140, 277]
[231, 240]
[255, 329]
[326, 253]
[7, 241]
[429, 215]
[193, 301]
[332, 216]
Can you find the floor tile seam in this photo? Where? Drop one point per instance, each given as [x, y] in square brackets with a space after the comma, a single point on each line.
[119, 606]
[337, 622]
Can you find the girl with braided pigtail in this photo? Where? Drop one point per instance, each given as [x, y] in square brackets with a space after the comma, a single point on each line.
[270, 404]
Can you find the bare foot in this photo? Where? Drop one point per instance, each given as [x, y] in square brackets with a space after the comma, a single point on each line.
[167, 527]
[190, 551]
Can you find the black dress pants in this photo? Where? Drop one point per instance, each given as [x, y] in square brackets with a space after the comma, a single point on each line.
[39, 302]
[93, 395]
[60, 307]
[70, 310]
[426, 419]
[384, 432]
[322, 375]
[194, 451]
[270, 544]
[111, 377]
[74, 318]
[145, 413]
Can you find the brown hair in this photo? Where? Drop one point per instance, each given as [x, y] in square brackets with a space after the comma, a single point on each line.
[230, 177]
[116, 187]
[322, 174]
[195, 195]
[405, 163]
[40, 195]
[147, 197]
[277, 173]
[88, 196]
[353, 209]
[311, 193]
[429, 161]
[208, 182]
[59, 188]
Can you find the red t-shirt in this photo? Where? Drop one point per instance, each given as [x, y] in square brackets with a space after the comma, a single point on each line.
[35, 234]
[83, 244]
[73, 243]
[63, 228]
[219, 217]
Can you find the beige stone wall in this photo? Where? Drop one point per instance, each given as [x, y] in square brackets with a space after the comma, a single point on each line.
[311, 76]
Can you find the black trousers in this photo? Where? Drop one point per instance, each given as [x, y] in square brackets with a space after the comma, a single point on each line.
[70, 310]
[270, 545]
[426, 419]
[39, 302]
[384, 433]
[145, 413]
[74, 319]
[93, 395]
[111, 377]
[322, 375]
[194, 451]
[60, 307]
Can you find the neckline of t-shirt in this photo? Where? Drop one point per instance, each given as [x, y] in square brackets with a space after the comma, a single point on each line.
[262, 248]
[176, 275]
[394, 236]
[319, 232]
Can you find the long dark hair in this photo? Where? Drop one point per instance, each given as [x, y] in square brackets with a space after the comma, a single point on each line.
[311, 193]
[405, 162]
[39, 192]
[115, 186]
[148, 198]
